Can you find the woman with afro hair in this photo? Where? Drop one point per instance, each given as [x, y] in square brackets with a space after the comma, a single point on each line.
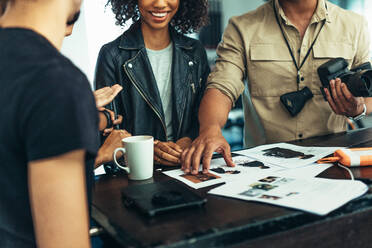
[163, 72]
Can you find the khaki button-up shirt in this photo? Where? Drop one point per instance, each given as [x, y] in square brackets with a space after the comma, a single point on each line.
[254, 51]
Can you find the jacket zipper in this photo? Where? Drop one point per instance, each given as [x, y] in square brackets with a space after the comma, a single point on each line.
[148, 102]
[193, 88]
[183, 108]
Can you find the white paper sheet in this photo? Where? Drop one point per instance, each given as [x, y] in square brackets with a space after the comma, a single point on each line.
[219, 172]
[99, 170]
[287, 155]
[307, 171]
[315, 195]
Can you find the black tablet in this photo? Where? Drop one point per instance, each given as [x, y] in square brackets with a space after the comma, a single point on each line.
[154, 198]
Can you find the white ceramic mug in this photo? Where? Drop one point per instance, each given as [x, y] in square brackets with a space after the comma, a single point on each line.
[139, 156]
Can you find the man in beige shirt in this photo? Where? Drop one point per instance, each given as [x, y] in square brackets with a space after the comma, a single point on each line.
[254, 48]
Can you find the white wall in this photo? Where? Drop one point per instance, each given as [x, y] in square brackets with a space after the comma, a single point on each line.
[75, 46]
[237, 7]
[95, 27]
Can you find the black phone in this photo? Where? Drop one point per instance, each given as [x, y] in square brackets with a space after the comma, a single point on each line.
[160, 197]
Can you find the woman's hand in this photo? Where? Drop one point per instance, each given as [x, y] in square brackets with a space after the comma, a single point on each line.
[113, 141]
[105, 95]
[184, 142]
[167, 153]
[103, 121]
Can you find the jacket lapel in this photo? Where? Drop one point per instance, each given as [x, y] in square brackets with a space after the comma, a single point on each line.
[182, 69]
[139, 70]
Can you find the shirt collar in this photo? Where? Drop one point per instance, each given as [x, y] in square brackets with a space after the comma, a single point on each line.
[321, 12]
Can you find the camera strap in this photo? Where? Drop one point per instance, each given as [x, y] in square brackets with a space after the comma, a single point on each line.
[289, 48]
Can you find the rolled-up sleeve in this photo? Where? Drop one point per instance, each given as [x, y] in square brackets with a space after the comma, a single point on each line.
[363, 44]
[229, 72]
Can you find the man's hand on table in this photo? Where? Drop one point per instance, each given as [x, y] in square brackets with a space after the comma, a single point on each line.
[210, 140]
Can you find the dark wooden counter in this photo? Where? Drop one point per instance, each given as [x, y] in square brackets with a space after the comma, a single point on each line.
[228, 222]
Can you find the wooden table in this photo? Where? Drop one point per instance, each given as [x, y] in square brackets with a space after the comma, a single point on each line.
[228, 222]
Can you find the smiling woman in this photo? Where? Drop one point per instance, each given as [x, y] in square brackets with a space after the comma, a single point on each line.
[191, 16]
[162, 72]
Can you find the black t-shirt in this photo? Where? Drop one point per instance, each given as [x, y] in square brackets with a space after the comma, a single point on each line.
[46, 109]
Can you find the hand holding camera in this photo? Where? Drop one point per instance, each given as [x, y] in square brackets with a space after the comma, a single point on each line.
[341, 99]
[344, 89]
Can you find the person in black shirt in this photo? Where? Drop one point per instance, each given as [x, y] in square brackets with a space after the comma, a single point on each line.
[48, 130]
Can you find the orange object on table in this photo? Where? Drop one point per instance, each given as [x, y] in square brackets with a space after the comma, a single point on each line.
[350, 157]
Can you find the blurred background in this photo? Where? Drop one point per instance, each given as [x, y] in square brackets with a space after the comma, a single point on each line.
[96, 27]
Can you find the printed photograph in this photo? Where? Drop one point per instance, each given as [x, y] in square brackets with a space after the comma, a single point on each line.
[285, 153]
[221, 170]
[292, 193]
[258, 189]
[268, 179]
[200, 177]
[252, 192]
[270, 197]
[262, 186]
[252, 164]
[283, 181]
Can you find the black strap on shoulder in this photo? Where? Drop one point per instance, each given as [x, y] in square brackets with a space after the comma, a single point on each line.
[289, 48]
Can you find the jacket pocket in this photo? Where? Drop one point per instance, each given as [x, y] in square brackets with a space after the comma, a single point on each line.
[269, 52]
[325, 51]
[270, 70]
[328, 50]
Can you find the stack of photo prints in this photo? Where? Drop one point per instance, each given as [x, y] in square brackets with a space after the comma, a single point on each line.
[281, 174]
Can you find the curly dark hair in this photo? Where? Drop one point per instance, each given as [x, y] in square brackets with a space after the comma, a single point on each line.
[190, 17]
[3, 4]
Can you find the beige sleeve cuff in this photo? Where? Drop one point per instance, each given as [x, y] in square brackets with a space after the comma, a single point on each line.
[229, 88]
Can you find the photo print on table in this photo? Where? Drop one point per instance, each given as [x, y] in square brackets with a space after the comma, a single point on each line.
[270, 197]
[221, 170]
[283, 180]
[279, 152]
[252, 164]
[200, 177]
[262, 186]
[258, 189]
[292, 193]
[268, 179]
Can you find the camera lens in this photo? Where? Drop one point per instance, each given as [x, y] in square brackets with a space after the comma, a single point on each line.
[367, 79]
[360, 83]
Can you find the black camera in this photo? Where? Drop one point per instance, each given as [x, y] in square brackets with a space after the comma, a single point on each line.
[357, 80]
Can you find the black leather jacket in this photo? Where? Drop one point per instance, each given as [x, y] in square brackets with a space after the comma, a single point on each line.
[124, 61]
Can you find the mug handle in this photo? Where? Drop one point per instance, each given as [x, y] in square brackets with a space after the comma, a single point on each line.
[116, 162]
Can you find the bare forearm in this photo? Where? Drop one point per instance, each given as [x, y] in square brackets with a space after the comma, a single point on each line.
[58, 199]
[101, 158]
[213, 112]
[214, 109]
[368, 102]
[102, 121]
[106, 151]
